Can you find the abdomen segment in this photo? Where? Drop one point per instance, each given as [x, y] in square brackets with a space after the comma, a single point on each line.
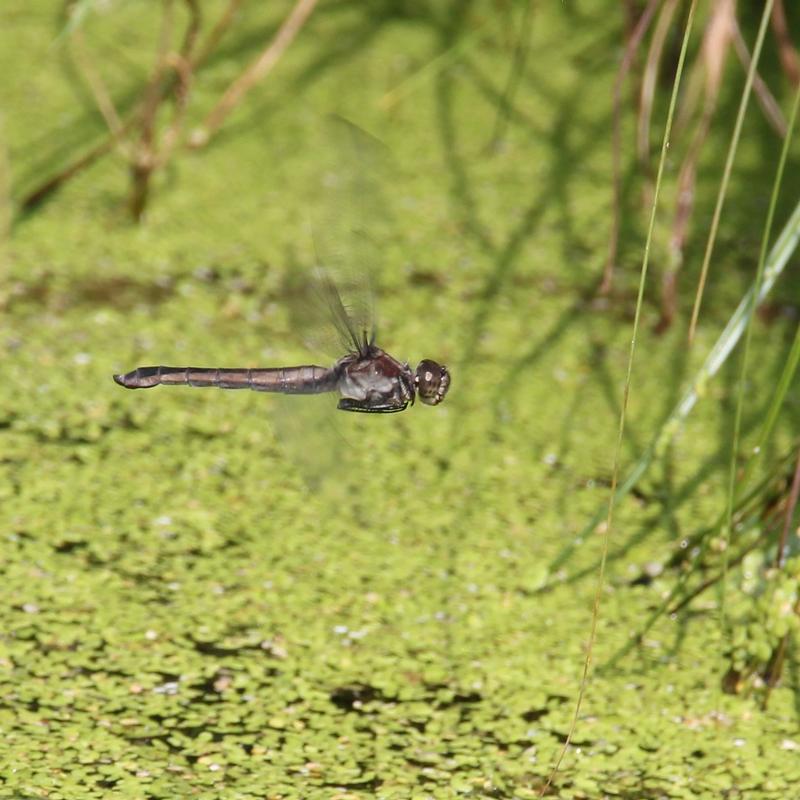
[309, 379]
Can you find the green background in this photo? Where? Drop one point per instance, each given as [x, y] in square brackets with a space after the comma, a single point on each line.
[182, 616]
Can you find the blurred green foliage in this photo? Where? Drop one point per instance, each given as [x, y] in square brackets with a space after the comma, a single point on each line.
[183, 617]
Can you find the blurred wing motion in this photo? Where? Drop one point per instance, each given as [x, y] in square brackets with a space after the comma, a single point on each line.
[350, 230]
[333, 303]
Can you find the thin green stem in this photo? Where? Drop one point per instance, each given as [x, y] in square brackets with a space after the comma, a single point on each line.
[737, 424]
[623, 411]
[737, 130]
[779, 255]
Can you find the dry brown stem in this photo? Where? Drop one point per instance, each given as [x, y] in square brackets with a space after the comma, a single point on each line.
[647, 92]
[709, 69]
[769, 105]
[136, 134]
[172, 78]
[790, 61]
[145, 159]
[632, 46]
[216, 34]
[256, 72]
[96, 84]
[180, 83]
[184, 76]
[192, 29]
[54, 182]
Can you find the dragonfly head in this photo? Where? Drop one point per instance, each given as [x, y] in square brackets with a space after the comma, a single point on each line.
[432, 381]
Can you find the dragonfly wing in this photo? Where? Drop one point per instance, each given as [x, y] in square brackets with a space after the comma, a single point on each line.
[326, 447]
[331, 304]
[350, 224]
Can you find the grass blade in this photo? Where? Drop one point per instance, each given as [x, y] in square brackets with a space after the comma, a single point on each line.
[587, 664]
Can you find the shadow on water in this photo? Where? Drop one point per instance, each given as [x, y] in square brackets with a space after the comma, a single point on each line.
[503, 256]
[552, 193]
[570, 149]
[670, 502]
[671, 497]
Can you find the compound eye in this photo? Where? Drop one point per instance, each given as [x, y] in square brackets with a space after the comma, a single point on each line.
[433, 381]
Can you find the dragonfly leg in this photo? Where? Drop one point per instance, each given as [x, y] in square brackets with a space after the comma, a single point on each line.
[367, 407]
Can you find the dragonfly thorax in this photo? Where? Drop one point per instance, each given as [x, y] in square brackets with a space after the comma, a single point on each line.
[373, 381]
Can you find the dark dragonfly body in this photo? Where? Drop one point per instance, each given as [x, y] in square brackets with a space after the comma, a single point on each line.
[368, 380]
[366, 377]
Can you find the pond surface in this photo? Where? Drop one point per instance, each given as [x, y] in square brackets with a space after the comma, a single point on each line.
[184, 617]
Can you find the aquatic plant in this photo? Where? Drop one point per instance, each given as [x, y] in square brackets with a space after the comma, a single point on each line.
[155, 123]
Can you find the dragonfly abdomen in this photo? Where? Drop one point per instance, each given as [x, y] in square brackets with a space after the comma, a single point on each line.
[309, 379]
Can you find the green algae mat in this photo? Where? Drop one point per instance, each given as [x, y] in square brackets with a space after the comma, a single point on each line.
[184, 614]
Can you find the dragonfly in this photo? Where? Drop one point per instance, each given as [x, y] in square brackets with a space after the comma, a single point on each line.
[366, 377]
